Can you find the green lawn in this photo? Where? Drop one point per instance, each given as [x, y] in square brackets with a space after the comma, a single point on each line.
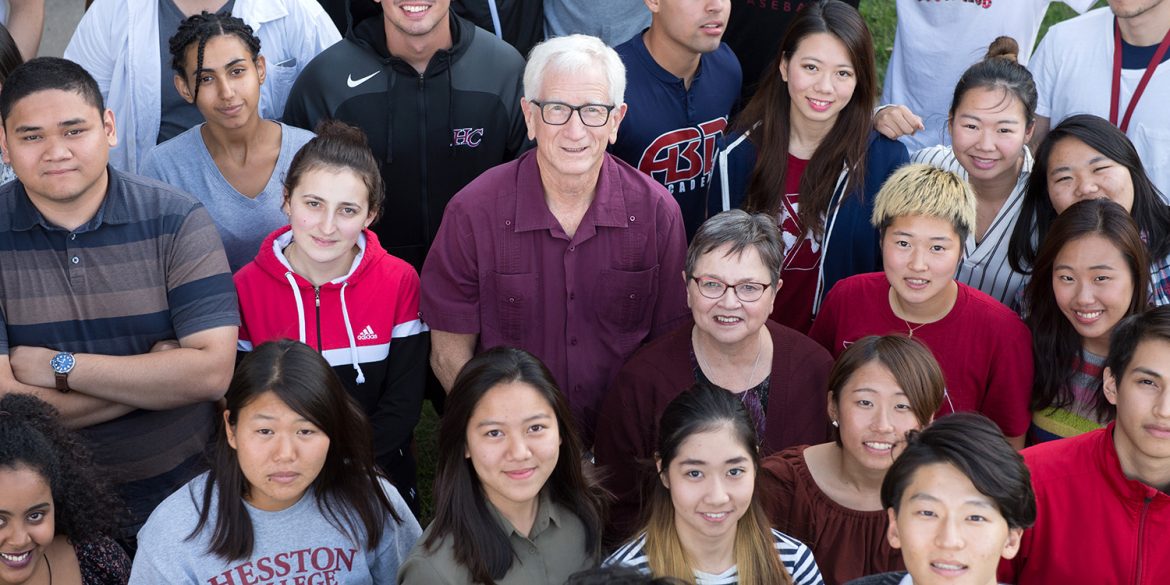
[880, 16]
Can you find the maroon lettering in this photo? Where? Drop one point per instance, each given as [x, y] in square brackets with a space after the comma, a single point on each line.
[684, 154]
[343, 559]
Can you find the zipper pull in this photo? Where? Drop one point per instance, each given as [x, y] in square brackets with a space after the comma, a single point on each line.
[317, 295]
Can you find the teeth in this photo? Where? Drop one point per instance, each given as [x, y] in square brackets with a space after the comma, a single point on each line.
[949, 567]
[16, 558]
[415, 9]
[1091, 315]
[879, 446]
[917, 281]
[819, 103]
[727, 319]
[718, 516]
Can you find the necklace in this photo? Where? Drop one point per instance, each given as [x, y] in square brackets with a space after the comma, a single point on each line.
[706, 367]
[898, 310]
[911, 329]
[48, 567]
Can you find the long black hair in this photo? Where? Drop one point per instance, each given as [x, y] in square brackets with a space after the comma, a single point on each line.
[1149, 211]
[461, 509]
[31, 436]
[1056, 346]
[197, 29]
[348, 489]
[768, 112]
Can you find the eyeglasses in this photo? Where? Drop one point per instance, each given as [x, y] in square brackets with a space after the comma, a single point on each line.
[715, 289]
[558, 114]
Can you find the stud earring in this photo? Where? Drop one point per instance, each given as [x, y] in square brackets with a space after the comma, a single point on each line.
[835, 424]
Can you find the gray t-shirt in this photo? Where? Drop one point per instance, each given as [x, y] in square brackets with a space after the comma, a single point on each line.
[177, 114]
[295, 545]
[243, 222]
[614, 21]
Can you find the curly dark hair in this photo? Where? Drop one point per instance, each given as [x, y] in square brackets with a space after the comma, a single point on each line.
[31, 436]
[198, 29]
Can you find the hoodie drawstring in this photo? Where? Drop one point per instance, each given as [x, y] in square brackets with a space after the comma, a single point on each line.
[300, 306]
[353, 354]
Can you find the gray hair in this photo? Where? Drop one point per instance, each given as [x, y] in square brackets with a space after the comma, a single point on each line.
[740, 229]
[574, 54]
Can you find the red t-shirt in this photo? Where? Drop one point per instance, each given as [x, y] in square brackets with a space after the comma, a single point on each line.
[983, 348]
[802, 256]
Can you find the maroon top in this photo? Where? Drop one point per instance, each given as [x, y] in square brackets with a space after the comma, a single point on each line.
[628, 425]
[847, 543]
[502, 267]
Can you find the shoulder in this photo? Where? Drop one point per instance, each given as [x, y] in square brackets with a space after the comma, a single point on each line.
[179, 146]
[983, 307]
[485, 192]
[869, 284]
[723, 61]
[487, 57]
[341, 56]
[631, 554]
[785, 467]
[173, 519]
[795, 344]
[427, 566]
[1093, 22]
[637, 185]
[883, 151]
[940, 156]
[293, 136]
[1053, 461]
[148, 198]
[102, 562]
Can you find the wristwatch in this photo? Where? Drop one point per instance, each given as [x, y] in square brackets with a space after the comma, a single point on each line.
[62, 364]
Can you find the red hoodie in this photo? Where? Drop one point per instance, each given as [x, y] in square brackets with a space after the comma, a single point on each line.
[1093, 525]
[366, 325]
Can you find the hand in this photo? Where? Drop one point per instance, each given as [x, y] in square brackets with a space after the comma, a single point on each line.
[895, 122]
[164, 345]
[30, 365]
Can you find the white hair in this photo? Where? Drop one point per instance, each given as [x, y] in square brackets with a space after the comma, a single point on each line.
[574, 54]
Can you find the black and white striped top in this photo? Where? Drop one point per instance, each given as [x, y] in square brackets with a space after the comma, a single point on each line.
[796, 557]
[985, 264]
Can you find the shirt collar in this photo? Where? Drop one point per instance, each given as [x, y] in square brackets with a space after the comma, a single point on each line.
[546, 515]
[1111, 466]
[114, 209]
[607, 209]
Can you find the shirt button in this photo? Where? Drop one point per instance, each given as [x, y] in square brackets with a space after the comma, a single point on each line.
[573, 341]
[631, 218]
[76, 260]
[572, 248]
[507, 222]
[72, 236]
[511, 299]
[633, 296]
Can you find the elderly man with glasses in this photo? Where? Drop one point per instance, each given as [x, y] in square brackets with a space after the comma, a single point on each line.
[567, 252]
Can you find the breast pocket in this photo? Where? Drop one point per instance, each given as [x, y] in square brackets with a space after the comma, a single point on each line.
[278, 80]
[515, 304]
[1153, 144]
[627, 305]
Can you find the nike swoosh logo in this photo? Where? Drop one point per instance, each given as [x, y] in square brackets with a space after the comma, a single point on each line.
[356, 82]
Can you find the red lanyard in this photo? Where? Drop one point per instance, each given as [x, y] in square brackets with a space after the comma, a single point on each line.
[1115, 99]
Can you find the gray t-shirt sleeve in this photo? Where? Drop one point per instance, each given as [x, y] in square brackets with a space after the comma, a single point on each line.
[398, 539]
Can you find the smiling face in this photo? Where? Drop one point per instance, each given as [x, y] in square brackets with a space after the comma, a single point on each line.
[572, 150]
[711, 480]
[1142, 397]
[694, 26]
[415, 18]
[1076, 172]
[873, 415]
[327, 210]
[58, 144]
[1094, 288]
[948, 531]
[229, 82]
[920, 254]
[280, 452]
[27, 525]
[728, 320]
[820, 78]
[514, 443]
[989, 130]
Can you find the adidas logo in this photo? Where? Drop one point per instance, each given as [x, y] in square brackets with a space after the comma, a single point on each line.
[367, 334]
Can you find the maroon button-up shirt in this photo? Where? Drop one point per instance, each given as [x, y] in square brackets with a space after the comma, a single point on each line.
[502, 267]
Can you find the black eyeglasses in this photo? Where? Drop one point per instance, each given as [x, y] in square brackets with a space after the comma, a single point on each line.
[715, 289]
[558, 113]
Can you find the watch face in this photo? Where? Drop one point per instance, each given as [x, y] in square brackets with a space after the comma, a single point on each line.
[62, 363]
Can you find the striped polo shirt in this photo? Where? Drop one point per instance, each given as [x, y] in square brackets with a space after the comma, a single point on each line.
[148, 266]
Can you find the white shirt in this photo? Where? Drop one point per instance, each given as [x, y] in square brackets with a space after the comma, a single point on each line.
[117, 42]
[1073, 69]
[935, 42]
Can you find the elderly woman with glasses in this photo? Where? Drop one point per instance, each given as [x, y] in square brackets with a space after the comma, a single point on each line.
[732, 273]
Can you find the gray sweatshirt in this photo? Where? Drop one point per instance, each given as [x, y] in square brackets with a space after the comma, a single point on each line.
[295, 546]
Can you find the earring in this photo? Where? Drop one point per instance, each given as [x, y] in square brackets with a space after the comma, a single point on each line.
[835, 424]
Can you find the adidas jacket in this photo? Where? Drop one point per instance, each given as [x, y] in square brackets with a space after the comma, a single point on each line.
[432, 133]
[365, 324]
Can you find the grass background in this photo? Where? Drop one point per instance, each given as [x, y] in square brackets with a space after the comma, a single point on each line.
[879, 14]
